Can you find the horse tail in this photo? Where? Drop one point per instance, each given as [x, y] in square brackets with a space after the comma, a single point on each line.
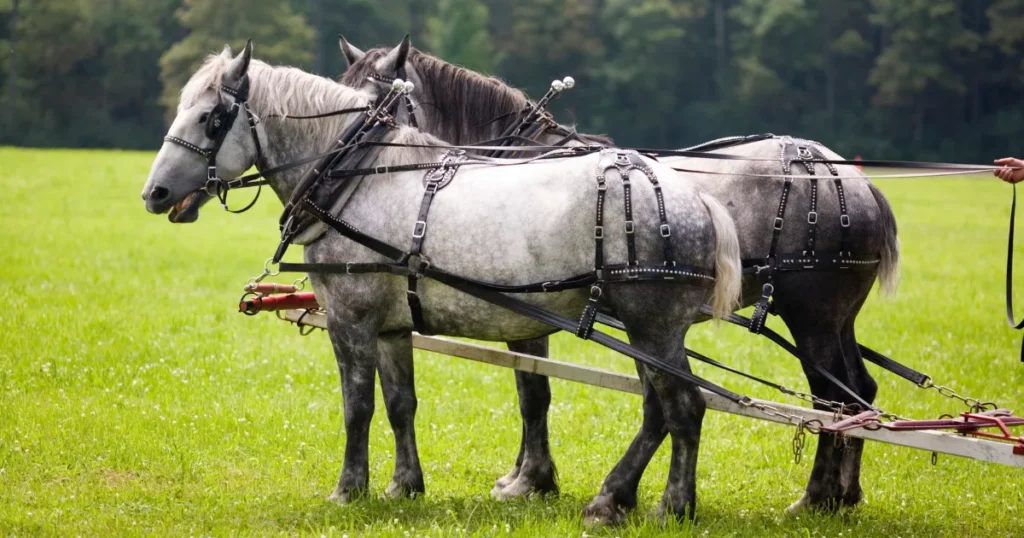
[889, 267]
[728, 273]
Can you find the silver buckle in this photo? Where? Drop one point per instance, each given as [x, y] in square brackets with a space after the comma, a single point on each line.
[778, 223]
[844, 221]
[598, 232]
[666, 231]
[419, 230]
[812, 217]
[629, 226]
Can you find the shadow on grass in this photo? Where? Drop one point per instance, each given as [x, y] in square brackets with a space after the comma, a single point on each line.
[561, 516]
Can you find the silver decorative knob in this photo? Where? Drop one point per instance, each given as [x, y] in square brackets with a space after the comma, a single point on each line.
[408, 87]
[557, 85]
[569, 82]
[397, 85]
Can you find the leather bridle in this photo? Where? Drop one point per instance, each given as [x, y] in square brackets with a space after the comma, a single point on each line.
[219, 122]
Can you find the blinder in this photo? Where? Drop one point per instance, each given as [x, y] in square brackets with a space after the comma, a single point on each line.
[218, 120]
[218, 124]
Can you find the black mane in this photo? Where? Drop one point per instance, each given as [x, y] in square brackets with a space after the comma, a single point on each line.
[473, 105]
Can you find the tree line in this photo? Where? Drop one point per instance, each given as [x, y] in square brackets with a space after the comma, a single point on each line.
[922, 79]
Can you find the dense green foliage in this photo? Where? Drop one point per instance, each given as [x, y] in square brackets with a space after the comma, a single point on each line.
[135, 401]
[927, 79]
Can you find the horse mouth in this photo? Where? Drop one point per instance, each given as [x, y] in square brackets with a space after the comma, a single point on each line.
[187, 210]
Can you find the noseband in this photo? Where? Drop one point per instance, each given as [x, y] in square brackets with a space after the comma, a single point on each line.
[219, 122]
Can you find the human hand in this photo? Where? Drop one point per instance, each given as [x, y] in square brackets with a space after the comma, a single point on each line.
[1012, 170]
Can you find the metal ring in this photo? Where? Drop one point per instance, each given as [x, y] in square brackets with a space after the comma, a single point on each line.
[266, 268]
[926, 383]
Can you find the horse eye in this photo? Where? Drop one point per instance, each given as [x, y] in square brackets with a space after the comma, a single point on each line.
[203, 118]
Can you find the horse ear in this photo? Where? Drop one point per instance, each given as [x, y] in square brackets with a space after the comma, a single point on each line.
[226, 53]
[239, 65]
[351, 52]
[395, 59]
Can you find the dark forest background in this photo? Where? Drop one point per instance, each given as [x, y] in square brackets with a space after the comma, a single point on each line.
[923, 79]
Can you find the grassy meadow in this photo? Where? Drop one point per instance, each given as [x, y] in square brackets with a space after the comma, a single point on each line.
[135, 400]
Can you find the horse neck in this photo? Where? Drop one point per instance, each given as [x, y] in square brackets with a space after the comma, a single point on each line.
[458, 116]
[286, 91]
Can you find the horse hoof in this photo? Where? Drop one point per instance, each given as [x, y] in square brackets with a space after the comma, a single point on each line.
[505, 481]
[603, 512]
[807, 505]
[801, 506]
[340, 498]
[398, 490]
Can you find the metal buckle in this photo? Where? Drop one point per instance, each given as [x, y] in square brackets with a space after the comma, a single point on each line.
[665, 230]
[348, 268]
[545, 285]
[812, 217]
[629, 227]
[767, 290]
[432, 185]
[598, 232]
[804, 153]
[844, 221]
[595, 292]
[778, 223]
[419, 230]
[211, 172]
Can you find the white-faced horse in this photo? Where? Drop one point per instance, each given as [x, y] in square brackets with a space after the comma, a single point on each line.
[504, 222]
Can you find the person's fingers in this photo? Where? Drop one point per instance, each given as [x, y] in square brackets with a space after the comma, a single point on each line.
[1004, 160]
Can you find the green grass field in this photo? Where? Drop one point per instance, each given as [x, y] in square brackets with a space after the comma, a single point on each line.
[134, 400]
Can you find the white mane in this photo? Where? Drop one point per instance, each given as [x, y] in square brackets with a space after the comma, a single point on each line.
[277, 91]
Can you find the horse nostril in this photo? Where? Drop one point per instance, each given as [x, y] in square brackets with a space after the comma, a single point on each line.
[159, 194]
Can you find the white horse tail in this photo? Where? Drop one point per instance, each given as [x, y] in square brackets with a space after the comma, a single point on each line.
[728, 272]
[889, 267]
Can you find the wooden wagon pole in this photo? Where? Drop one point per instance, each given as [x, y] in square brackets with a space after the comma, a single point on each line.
[934, 441]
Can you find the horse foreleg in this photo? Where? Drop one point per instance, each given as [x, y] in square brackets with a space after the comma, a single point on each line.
[534, 471]
[356, 352]
[397, 384]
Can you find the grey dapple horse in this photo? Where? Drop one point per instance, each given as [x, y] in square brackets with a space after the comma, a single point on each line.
[819, 307]
[540, 214]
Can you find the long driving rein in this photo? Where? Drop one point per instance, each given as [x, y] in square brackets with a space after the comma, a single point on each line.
[358, 140]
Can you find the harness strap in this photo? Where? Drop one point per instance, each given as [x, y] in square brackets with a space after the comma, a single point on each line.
[602, 189]
[844, 217]
[812, 217]
[586, 324]
[779, 340]
[622, 164]
[435, 179]
[510, 303]
[1009, 271]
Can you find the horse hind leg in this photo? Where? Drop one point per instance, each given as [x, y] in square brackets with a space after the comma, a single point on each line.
[618, 493]
[866, 386]
[535, 470]
[816, 325]
[397, 383]
[658, 327]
